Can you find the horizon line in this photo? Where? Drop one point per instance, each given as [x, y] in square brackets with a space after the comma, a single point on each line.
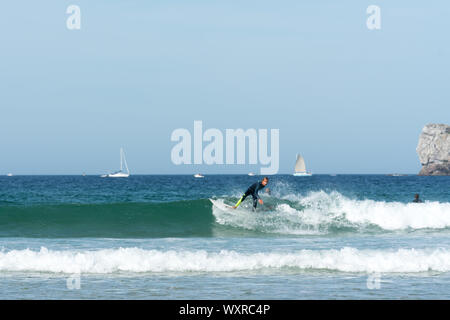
[204, 174]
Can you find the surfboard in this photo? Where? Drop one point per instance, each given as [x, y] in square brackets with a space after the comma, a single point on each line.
[220, 205]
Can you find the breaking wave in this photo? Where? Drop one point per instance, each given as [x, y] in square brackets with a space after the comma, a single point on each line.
[137, 260]
[324, 213]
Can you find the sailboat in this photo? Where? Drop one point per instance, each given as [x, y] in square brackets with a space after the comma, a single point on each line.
[300, 168]
[120, 173]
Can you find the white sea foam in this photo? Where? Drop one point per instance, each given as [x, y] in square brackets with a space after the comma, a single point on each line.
[321, 212]
[386, 215]
[137, 260]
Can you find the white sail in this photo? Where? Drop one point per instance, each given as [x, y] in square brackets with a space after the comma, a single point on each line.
[123, 160]
[121, 173]
[300, 167]
[300, 164]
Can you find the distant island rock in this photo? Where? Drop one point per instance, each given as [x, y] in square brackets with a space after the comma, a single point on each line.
[434, 150]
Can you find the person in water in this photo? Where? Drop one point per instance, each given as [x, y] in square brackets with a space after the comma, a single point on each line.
[416, 198]
[253, 191]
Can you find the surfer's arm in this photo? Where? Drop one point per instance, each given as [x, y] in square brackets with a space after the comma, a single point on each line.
[257, 195]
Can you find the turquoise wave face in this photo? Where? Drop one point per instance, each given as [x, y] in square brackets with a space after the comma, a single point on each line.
[120, 220]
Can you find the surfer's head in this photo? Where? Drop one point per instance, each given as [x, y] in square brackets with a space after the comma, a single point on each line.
[264, 181]
[416, 196]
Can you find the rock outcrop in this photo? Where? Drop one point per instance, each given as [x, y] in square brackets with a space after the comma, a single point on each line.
[434, 150]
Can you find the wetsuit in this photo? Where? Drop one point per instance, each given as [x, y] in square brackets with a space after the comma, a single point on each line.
[253, 191]
[417, 200]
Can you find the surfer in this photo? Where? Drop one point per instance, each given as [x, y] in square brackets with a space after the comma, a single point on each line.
[253, 191]
[416, 198]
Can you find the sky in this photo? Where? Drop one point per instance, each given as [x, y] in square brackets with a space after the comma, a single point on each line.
[349, 99]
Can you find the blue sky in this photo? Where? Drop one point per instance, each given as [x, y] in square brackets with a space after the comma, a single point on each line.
[351, 100]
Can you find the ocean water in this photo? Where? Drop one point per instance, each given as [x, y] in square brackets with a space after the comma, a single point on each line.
[161, 237]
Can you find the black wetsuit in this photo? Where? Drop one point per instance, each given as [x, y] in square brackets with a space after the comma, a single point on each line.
[253, 191]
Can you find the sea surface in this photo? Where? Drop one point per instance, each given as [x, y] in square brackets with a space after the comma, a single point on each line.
[161, 237]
